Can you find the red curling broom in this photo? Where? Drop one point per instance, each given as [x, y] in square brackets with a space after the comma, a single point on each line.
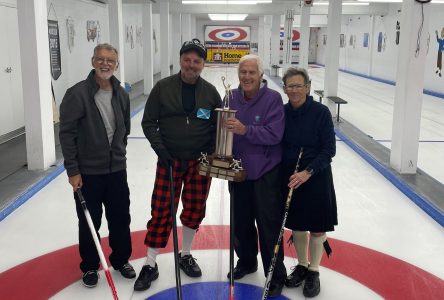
[98, 246]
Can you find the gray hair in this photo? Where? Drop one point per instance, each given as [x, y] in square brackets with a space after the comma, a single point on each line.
[105, 46]
[293, 71]
[257, 59]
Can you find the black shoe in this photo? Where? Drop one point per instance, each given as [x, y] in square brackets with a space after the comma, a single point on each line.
[189, 265]
[127, 271]
[312, 285]
[146, 275]
[297, 276]
[240, 271]
[275, 289]
[90, 278]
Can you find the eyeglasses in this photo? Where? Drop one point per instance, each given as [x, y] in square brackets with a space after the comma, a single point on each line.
[295, 86]
[102, 60]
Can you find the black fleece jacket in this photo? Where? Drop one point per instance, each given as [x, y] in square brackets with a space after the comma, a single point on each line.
[83, 136]
[168, 126]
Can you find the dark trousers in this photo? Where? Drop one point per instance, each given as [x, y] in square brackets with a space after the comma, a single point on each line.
[112, 191]
[258, 200]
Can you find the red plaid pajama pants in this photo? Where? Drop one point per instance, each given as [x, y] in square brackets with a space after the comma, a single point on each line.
[194, 189]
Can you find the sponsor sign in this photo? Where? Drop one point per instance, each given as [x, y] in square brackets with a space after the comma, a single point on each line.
[226, 52]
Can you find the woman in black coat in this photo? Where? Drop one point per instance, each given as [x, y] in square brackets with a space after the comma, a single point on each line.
[308, 128]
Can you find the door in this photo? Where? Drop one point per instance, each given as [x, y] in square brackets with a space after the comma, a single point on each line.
[11, 93]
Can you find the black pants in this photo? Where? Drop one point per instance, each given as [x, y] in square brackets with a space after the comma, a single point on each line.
[258, 200]
[112, 191]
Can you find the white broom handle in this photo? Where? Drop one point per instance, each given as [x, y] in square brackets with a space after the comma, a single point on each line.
[96, 239]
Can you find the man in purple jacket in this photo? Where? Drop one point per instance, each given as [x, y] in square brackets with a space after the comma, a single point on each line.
[258, 128]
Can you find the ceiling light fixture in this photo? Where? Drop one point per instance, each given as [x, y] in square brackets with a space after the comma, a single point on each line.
[396, 1]
[381, 1]
[227, 17]
[225, 2]
[343, 3]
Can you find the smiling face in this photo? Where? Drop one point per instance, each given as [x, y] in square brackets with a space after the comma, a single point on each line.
[105, 62]
[296, 89]
[191, 65]
[250, 77]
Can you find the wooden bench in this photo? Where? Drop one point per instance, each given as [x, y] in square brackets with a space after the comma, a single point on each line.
[320, 93]
[338, 101]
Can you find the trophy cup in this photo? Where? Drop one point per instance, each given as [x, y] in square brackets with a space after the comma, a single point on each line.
[222, 164]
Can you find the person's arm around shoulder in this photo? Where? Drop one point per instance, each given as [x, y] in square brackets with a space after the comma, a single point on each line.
[71, 111]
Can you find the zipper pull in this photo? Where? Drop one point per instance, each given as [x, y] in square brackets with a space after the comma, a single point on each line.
[188, 121]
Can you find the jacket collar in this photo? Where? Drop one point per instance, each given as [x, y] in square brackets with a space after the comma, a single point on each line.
[262, 90]
[180, 79]
[94, 86]
[300, 110]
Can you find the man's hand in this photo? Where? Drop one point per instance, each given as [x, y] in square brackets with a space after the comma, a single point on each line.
[164, 157]
[236, 126]
[76, 182]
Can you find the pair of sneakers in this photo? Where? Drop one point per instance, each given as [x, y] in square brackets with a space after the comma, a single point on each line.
[312, 286]
[91, 277]
[187, 263]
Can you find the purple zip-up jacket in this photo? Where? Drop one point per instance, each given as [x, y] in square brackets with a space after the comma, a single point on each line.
[260, 148]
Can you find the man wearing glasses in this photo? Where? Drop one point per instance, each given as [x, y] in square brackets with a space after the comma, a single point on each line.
[180, 124]
[94, 126]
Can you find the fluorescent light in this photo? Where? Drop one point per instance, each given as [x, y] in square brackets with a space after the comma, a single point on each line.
[203, 2]
[396, 1]
[355, 4]
[381, 1]
[224, 2]
[343, 3]
[227, 17]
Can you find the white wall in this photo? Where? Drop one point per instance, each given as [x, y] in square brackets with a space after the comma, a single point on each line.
[133, 46]
[384, 65]
[432, 80]
[77, 64]
[132, 16]
[357, 57]
[11, 92]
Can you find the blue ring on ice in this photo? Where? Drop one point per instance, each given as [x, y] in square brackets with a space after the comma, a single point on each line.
[215, 291]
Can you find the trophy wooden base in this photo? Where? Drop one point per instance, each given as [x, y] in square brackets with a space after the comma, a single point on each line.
[222, 168]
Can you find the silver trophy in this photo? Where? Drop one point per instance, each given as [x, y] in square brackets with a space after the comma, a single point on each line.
[222, 164]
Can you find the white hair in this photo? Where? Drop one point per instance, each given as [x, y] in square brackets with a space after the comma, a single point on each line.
[257, 59]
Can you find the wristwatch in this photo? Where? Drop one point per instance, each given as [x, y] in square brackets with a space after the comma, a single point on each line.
[310, 170]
